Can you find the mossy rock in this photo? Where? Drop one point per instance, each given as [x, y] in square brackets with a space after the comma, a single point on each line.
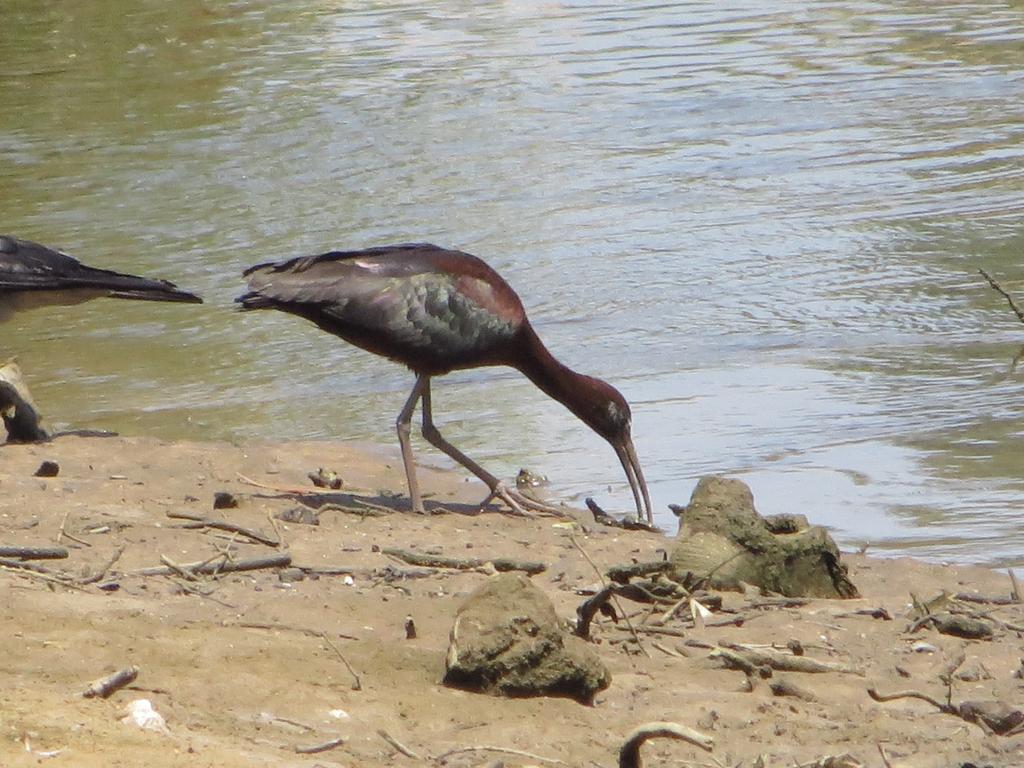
[508, 640]
[723, 538]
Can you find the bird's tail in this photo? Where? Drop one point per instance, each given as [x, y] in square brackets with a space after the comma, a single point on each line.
[119, 285]
[255, 300]
[164, 292]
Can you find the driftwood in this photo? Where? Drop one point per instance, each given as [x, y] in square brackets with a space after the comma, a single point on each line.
[397, 744]
[784, 687]
[105, 686]
[586, 610]
[317, 748]
[93, 578]
[207, 568]
[201, 521]
[21, 565]
[746, 658]
[34, 553]
[991, 716]
[623, 573]
[463, 564]
[503, 750]
[629, 755]
[628, 523]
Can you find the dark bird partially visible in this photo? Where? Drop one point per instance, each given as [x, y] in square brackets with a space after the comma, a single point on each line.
[435, 311]
[32, 275]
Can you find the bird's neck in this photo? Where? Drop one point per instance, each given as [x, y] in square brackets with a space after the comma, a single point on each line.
[552, 377]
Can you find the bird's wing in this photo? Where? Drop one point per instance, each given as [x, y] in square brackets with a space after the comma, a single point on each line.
[28, 266]
[409, 300]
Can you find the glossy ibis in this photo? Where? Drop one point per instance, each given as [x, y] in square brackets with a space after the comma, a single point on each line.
[435, 311]
[32, 275]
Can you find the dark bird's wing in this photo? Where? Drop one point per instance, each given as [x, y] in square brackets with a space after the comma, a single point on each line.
[429, 308]
[32, 275]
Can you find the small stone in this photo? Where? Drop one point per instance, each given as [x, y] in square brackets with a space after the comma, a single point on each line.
[48, 469]
[224, 500]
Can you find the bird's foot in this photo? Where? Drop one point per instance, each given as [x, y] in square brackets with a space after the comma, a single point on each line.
[519, 503]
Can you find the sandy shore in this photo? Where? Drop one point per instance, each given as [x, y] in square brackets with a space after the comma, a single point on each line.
[242, 672]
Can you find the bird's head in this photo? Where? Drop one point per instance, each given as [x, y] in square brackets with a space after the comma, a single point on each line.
[603, 408]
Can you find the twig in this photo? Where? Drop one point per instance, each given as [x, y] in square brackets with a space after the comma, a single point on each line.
[629, 755]
[21, 565]
[324, 747]
[30, 571]
[278, 488]
[207, 568]
[614, 599]
[666, 650]
[783, 687]
[1014, 585]
[397, 744]
[779, 661]
[63, 532]
[103, 571]
[462, 564]
[303, 491]
[178, 569]
[623, 573]
[34, 553]
[999, 289]
[504, 750]
[107, 685]
[200, 521]
[970, 597]
[885, 757]
[357, 684]
[362, 511]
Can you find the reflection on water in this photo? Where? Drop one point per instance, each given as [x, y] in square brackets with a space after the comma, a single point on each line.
[762, 223]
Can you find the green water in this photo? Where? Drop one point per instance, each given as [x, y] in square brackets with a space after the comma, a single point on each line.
[761, 223]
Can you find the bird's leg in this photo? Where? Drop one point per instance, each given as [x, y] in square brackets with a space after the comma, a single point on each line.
[404, 418]
[516, 501]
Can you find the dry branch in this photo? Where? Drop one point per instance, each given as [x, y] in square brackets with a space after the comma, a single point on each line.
[782, 662]
[504, 750]
[200, 521]
[783, 687]
[103, 571]
[324, 747]
[105, 686]
[34, 553]
[999, 289]
[625, 616]
[357, 684]
[629, 755]
[397, 744]
[589, 608]
[623, 573]
[991, 716]
[207, 568]
[462, 564]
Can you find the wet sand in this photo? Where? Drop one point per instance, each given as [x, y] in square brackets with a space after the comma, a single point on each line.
[240, 668]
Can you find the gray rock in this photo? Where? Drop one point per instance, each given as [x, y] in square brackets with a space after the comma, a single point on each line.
[722, 538]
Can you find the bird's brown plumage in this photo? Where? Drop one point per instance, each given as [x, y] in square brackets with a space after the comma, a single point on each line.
[437, 310]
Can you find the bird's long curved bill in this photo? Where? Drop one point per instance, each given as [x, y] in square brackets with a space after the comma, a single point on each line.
[635, 475]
